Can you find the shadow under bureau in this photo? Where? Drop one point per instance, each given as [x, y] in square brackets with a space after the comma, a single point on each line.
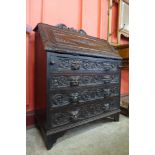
[77, 80]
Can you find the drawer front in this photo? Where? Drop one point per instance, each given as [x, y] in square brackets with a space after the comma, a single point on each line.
[61, 81]
[70, 63]
[59, 98]
[76, 114]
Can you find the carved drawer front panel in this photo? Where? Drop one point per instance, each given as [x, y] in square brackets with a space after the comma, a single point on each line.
[61, 81]
[79, 96]
[76, 114]
[70, 63]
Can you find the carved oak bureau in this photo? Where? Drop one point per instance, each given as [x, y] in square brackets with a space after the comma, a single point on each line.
[77, 80]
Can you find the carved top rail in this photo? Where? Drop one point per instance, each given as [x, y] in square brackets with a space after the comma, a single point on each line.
[63, 26]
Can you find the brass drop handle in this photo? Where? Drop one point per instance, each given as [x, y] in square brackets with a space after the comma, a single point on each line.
[52, 62]
[75, 65]
[74, 80]
[107, 106]
[74, 115]
[74, 97]
[107, 66]
[106, 92]
[107, 78]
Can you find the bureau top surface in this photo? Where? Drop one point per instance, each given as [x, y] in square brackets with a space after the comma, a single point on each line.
[68, 40]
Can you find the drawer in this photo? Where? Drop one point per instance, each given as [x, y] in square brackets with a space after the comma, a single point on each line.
[70, 63]
[62, 81]
[59, 98]
[77, 114]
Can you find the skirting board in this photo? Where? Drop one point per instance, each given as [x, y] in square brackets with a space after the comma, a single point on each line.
[30, 119]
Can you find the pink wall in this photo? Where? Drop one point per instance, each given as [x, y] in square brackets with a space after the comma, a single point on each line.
[124, 81]
[90, 15]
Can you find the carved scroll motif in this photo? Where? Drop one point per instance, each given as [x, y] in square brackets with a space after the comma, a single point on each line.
[64, 64]
[64, 27]
[67, 81]
[83, 96]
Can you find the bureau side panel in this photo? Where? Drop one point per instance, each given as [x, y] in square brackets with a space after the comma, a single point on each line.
[40, 80]
[120, 75]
